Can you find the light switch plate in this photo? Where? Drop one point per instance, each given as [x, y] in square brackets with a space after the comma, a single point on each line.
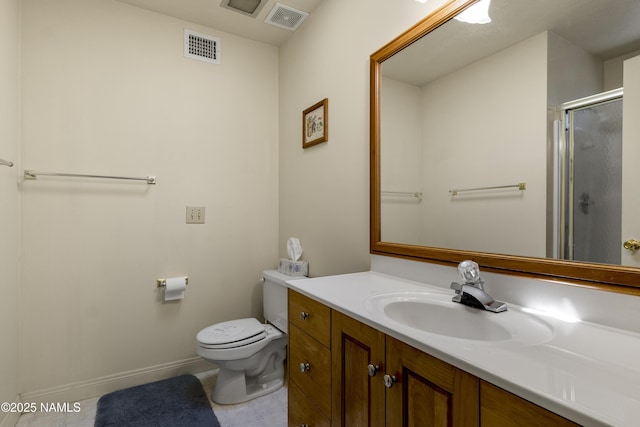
[195, 215]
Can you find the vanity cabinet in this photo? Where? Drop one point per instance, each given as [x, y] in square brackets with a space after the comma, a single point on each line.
[345, 373]
[309, 362]
[378, 381]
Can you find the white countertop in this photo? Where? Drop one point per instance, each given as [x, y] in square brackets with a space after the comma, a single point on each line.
[585, 372]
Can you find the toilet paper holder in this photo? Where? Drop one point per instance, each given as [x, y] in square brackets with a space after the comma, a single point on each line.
[163, 282]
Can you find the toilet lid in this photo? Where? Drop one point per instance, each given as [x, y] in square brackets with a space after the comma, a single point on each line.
[232, 332]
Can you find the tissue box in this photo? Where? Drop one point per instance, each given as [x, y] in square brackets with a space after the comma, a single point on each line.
[293, 268]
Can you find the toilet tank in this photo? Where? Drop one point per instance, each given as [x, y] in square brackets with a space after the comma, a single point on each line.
[274, 298]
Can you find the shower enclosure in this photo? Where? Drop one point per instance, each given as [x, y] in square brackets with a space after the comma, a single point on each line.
[591, 179]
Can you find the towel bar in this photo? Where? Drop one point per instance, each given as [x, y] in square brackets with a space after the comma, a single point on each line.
[30, 174]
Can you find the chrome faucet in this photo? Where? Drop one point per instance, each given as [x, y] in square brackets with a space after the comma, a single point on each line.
[471, 292]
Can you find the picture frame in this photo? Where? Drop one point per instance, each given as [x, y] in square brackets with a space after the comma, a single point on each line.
[315, 124]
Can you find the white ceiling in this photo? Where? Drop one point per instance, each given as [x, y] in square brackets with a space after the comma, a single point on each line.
[210, 14]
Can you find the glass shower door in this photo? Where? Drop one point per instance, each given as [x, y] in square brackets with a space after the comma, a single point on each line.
[593, 214]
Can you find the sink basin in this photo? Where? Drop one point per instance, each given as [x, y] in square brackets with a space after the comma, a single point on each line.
[435, 313]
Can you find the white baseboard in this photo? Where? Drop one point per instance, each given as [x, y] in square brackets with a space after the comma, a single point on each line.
[82, 390]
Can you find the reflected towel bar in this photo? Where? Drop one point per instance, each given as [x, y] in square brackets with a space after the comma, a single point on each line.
[6, 163]
[520, 186]
[416, 194]
[29, 174]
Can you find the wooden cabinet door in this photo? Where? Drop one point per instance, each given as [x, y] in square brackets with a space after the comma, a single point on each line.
[358, 398]
[310, 367]
[428, 391]
[499, 408]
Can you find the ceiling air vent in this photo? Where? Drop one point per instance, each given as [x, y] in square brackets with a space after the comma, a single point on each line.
[286, 17]
[246, 7]
[201, 47]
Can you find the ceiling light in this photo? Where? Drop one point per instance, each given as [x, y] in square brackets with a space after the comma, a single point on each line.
[421, 1]
[476, 14]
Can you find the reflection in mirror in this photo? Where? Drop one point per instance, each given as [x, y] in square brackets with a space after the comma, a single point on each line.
[525, 112]
[476, 106]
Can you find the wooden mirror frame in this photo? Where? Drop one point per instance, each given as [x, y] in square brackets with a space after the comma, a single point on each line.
[600, 276]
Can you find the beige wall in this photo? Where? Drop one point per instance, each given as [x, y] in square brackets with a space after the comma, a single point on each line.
[483, 133]
[9, 202]
[564, 82]
[106, 90]
[402, 167]
[614, 71]
[324, 190]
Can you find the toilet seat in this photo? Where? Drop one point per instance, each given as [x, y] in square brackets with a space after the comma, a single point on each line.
[232, 334]
[237, 349]
[235, 339]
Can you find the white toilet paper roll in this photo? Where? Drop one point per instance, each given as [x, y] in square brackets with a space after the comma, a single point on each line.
[174, 289]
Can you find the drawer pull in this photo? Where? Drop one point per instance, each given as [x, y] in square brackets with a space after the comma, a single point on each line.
[304, 425]
[304, 367]
[389, 380]
[303, 315]
[372, 369]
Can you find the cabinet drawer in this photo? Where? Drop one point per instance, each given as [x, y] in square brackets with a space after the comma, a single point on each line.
[311, 316]
[315, 381]
[304, 412]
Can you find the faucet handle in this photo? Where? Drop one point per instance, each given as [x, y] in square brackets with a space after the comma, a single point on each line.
[469, 271]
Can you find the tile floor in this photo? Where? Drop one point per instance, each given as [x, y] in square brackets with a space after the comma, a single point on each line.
[266, 411]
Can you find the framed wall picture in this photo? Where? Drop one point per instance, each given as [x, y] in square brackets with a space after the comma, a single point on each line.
[315, 124]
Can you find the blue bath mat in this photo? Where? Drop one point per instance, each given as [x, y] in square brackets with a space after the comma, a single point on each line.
[175, 402]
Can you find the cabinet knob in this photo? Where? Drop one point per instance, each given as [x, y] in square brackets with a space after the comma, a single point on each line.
[304, 367]
[372, 369]
[388, 380]
[303, 315]
[304, 425]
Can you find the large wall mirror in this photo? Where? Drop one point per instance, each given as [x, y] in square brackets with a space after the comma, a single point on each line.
[512, 139]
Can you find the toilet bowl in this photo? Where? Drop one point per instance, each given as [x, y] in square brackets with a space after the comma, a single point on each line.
[249, 354]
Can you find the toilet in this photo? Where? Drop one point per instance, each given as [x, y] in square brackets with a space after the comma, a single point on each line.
[249, 354]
